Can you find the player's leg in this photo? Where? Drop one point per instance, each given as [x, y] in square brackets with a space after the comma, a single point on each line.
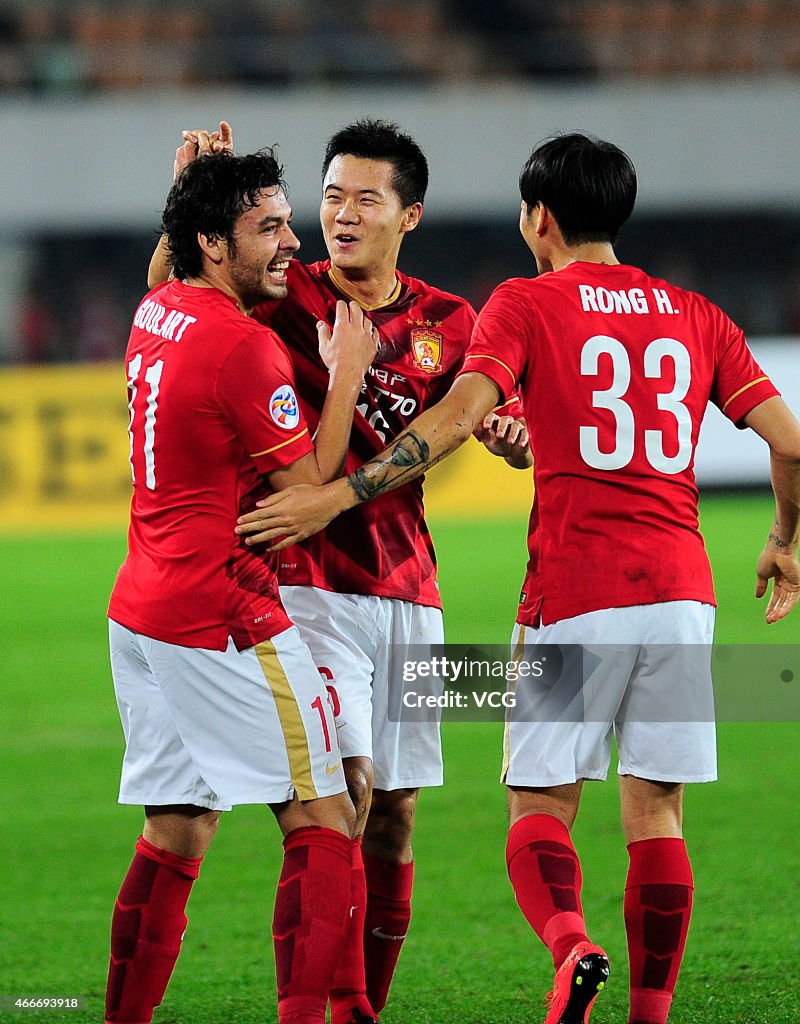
[545, 874]
[389, 870]
[543, 866]
[407, 755]
[658, 894]
[557, 736]
[665, 738]
[312, 903]
[337, 628]
[149, 918]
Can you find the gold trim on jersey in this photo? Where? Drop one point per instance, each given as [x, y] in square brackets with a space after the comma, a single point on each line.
[275, 447]
[294, 732]
[494, 359]
[378, 305]
[516, 658]
[508, 401]
[741, 391]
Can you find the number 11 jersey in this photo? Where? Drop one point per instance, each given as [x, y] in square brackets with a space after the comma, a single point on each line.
[615, 369]
[212, 411]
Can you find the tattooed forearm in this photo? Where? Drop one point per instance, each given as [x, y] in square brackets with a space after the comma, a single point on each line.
[408, 458]
[777, 539]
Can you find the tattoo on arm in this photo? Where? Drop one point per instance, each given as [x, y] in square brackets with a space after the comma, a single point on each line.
[776, 538]
[408, 458]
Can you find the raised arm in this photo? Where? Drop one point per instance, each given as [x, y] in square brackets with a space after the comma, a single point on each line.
[195, 142]
[347, 351]
[773, 421]
[299, 512]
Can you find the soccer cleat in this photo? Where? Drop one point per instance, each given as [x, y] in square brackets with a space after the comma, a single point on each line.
[578, 981]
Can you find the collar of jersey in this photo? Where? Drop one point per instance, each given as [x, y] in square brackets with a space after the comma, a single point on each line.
[378, 305]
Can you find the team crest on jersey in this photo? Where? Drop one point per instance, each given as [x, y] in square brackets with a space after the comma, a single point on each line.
[426, 349]
[283, 407]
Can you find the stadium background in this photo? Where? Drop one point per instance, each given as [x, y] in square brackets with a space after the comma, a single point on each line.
[705, 96]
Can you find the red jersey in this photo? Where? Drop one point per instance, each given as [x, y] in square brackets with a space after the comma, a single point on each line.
[615, 369]
[382, 547]
[212, 407]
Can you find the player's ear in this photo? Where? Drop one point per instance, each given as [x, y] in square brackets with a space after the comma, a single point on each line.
[543, 218]
[212, 247]
[411, 217]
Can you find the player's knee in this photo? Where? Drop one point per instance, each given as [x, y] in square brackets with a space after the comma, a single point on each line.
[333, 812]
[560, 802]
[391, 823]
[650, 810]
[358, 775]
[183, 829]
[207, 825]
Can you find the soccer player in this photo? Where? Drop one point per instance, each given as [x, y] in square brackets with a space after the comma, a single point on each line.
[616, 369]
[221, 703]
[365, 590]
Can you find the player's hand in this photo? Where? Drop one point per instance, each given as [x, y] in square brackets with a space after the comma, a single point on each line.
[199, 142]
[293, 514]
[784, 571]
[352, 344]
[506, 437]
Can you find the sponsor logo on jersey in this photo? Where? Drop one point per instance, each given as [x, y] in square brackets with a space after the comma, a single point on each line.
[283, 407]
[426, 349]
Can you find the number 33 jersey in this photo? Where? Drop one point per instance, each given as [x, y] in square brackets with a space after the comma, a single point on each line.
[382, 547]
[615, 370]
[212, 408]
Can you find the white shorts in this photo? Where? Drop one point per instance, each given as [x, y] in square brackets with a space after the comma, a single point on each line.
[641, 674]
[218, 728]
[359, 643]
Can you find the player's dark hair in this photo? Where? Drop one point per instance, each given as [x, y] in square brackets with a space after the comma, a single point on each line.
[374, 139]
[209, 197]
[589, 186]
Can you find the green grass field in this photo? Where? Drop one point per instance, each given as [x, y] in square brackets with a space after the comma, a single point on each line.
[470, 958]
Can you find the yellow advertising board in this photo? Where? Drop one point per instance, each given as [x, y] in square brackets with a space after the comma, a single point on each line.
[64, 456]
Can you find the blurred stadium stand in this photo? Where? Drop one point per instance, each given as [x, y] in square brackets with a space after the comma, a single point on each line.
[72, 72]
[81, 47]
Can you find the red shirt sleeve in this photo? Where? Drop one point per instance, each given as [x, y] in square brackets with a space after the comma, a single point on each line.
[502, 339]
[255, 390]
[739, 382]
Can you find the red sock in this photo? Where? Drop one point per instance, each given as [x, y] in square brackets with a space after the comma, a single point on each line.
[312, 908]
[146, 931]
[349, 989]
[546, 877]
[658, 905]
[388, 915]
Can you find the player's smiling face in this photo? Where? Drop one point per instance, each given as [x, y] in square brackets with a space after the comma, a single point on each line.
[263, 246]
[362, 218]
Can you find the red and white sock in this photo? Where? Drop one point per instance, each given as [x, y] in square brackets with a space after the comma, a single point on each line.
[546, 877]
[146, 932]
[658, 907]
[312, 912]
[389, 888]
[349, 989]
